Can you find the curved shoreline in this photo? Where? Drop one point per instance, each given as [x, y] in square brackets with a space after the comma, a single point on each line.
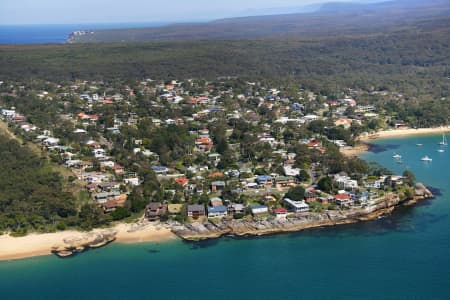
[404, 132]
[67, 243]
[205, 231]
[12, 248]
[32, 245]
[364, 141]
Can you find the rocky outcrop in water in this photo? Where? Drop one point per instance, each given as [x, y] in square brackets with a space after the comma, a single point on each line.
[92, 240]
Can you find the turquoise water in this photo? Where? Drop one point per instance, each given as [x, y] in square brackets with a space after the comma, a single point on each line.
[404, 256]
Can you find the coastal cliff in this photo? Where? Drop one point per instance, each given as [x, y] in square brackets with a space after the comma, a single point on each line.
[255, 227]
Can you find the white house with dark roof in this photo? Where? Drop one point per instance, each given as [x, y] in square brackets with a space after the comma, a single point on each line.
[296, 206]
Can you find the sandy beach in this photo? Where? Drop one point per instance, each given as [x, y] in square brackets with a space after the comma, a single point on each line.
[41, 244]
[355, 151]
[364, 141]
[404, 132]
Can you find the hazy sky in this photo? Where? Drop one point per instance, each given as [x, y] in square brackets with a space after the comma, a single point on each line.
[117, 11]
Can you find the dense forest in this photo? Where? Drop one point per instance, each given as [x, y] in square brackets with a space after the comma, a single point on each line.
[331, 19]
[409, 61]
[32, 197]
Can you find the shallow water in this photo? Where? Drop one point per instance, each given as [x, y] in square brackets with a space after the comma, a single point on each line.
[403, 256]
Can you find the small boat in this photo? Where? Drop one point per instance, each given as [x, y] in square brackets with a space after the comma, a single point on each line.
[444, 141]
[397, 156]
[441, 150]
[419, 145]
[426, 158]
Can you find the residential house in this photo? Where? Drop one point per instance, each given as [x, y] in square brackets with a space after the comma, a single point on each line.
[396, 180]
[182, 181]
[204, 143]
[94, 177]
[108, 186]
[72, 163]
[99, 153]
[236, 208]
[103, 197]
[376, 184]
[289, 170]
[160, 170]
[345, 182]
[155, 210]
[362, 197]
[310, 197]
[113, 203]
[264, 180]
[196, 211]
[284, 181]
[343, 199]
[217, 211]
[91, 187]
[340, 143]
[310, 118]
[132, 180]
[344, 122]
[259, 209]
[214, 158]
[324, 200]
[8, 113]
[17, 118]
[93, 144]
[280, 213]
[106, 164]
[314, 144]
[217, 186]
[49, 142]
[216, 201]
[296, 206]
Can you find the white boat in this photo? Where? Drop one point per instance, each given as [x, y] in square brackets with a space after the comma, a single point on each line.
[444, 140]
[419, 145]
[441, 150]
[397, 156]
[426, 158]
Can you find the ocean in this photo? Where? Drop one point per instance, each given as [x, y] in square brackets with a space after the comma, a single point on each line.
[402, 256]
[56, 34]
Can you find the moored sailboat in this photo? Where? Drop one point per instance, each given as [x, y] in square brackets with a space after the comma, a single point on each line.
[426, 158]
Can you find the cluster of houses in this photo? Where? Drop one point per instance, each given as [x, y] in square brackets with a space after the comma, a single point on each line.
[12, 116]
[217, 208]
[108, 183]
[102, 185]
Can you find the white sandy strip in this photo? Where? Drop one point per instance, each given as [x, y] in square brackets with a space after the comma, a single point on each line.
[406, 132]
[41, 244]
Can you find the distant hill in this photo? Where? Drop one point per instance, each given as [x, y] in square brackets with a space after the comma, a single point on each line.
[407, 58]
[332, 19]
[282, 10]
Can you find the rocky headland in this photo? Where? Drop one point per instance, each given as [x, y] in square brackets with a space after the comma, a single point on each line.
[210, 229]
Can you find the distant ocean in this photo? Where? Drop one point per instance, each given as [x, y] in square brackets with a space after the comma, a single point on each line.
[44, 34]
[402, 256]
